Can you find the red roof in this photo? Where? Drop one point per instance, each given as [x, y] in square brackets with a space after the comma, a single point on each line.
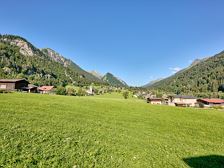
[46, 88]
[213, 100]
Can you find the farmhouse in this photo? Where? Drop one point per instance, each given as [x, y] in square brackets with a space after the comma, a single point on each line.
[46, 89]
[154, 100]
[182, 101]
[13, 84]
[210, 102]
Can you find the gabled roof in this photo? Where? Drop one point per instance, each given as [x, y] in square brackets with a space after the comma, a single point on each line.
[212, 100]
[184, 97]
[12, 80]
[46, 88]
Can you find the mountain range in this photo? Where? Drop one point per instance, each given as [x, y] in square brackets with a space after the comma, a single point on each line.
[21, 59]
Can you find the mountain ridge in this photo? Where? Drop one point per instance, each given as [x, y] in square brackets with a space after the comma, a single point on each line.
[19, 58]
[203, 76]
[113, 80]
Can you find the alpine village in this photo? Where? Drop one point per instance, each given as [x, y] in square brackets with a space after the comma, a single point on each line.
[27, 69]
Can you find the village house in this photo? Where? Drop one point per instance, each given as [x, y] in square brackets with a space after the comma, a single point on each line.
[210, 102]
[154, 100]
[182, 101]
[13, 84]
[46, 89]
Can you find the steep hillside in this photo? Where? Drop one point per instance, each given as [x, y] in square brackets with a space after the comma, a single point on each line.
[20, 59]
[204, 76]
[114, 81]
[152, 82]
[67, 63]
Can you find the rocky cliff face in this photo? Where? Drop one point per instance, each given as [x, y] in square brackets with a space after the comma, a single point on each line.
[24, 47]
[56, 57]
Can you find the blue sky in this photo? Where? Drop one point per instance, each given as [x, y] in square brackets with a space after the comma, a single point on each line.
[137, 40]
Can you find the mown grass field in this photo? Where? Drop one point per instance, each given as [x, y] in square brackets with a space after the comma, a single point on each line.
[106, 131]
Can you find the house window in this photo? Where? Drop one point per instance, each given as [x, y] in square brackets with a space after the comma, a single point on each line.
[2, 86]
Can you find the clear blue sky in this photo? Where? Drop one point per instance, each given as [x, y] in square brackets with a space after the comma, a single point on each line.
[137, 40]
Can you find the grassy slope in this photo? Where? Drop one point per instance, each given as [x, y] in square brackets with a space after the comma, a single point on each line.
[58, 131]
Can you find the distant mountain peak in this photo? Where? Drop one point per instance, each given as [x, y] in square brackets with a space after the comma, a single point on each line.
[113, 80]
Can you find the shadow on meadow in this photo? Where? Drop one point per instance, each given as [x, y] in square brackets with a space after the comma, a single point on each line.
[211, 161]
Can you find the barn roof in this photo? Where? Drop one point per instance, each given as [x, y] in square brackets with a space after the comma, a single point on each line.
[12, 80]
[212, 100]
[184, 97]
[46, 88]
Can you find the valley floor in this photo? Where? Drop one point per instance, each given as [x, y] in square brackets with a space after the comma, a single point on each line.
[59, 131]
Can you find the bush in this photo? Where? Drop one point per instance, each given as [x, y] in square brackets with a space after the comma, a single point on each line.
[61, 90]
[70, 91]
[217, 107]
[201, 105]
[81, 92]
[126, 94]
[4, 91]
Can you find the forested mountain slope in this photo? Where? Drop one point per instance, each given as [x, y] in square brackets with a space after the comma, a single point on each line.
[20, 59]
[204, 76]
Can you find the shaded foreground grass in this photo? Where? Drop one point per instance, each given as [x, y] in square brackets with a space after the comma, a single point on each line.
[60, 131]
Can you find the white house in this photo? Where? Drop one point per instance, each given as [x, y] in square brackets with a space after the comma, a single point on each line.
[182, 101]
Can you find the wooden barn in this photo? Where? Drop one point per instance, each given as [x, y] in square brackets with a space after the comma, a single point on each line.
[13, 84]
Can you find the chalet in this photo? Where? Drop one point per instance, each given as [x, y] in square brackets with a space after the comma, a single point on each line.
[13, 84]
[210, 102]
[46, 89]
[154, 100]
[182, 101]
[30, 88]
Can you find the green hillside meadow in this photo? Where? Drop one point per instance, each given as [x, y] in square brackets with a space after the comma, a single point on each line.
[74, 132]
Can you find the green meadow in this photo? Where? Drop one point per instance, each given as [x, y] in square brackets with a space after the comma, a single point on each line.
[106, 131]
